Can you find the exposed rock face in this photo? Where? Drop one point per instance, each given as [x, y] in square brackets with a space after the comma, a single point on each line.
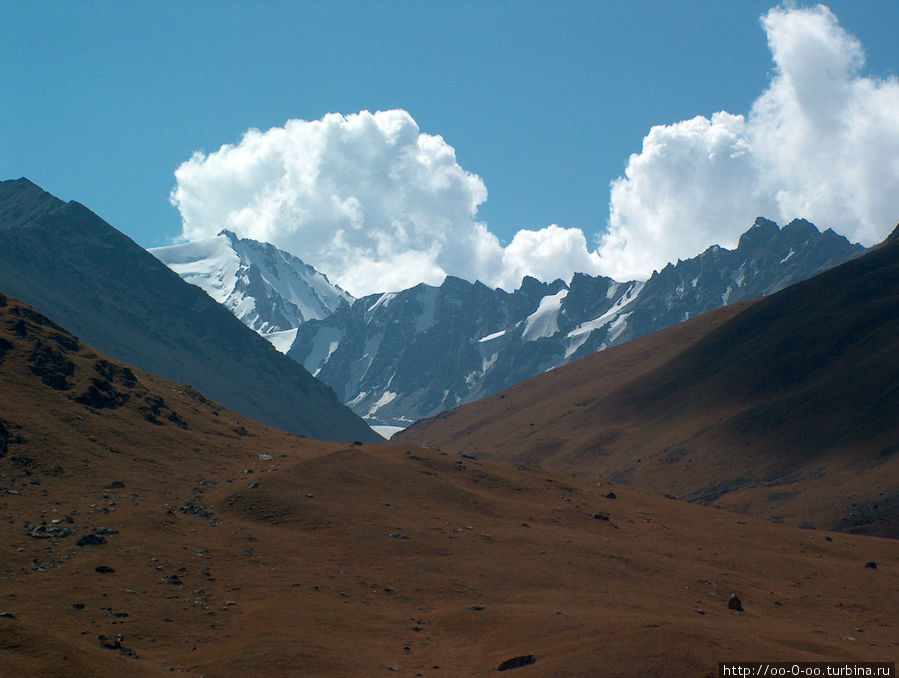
[398, 357]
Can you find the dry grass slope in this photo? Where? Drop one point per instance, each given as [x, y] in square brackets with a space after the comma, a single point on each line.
[147, 530]
[782, 408]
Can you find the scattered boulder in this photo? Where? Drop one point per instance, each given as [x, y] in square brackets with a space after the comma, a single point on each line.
[55, 530]
[734, 603]
[51, 366]
[91, 540]
[116, 644]
[102, 395]
[517, 662]
[194, 507]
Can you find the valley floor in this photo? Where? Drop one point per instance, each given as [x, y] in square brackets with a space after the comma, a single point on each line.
[361, 561]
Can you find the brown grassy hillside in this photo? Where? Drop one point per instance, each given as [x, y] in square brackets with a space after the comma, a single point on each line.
[786, 408]
[146, 531]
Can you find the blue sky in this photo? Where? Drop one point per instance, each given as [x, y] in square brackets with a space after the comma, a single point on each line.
[545, 101]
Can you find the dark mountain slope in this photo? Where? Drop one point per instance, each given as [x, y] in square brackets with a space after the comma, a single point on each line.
[395, 358]
[819, 363]
[788, 409]
[71, 265]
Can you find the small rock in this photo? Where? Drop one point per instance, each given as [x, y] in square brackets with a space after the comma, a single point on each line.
[611, 495]
[398, 535]
[601, 516]
[91, 540]
[517, 662]
[104, 569]
[475, 607]
[116, 485]
[871, 565]
[78, 606]
[265, 456]
[7, 615]
[734, 603]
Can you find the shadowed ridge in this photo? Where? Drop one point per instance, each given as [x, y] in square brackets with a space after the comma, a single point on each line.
[783, 410]
[68, 263]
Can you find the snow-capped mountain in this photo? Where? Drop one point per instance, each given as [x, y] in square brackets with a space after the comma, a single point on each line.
[269, 290]
[395, 358]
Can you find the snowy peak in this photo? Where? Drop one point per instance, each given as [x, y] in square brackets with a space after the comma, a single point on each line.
[398, 357]
[269, 290]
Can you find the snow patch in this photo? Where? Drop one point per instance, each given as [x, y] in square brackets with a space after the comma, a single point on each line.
[282, 340]
[210, 264]
[384, 300]
[726, 295]
[544, 322]
[613, 288]
[491, 337]
[579, 341]
[789, 255]
[618, 326]
[488, 363]
[358, 399]
[324, 343]
[386, 397]
[387, 431]
[582, 332]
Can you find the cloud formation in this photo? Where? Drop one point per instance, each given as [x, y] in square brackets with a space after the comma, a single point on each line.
[378, 205]
[821, 142]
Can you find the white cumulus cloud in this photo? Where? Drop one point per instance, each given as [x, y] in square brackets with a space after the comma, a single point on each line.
[821, 142]
[378, 205]
[366, 198]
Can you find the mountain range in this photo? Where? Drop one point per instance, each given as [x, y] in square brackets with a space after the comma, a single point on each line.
[401, 356]
[69, 264]
[784, 407]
